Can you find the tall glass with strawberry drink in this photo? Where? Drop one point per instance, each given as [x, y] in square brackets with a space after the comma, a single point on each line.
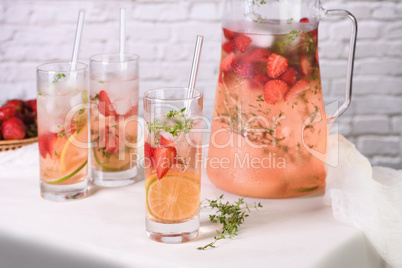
[62, 106]
[172, 153]
[114, 102]
[269, 116]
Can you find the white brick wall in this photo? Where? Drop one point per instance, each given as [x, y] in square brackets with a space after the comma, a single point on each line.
[163, 32]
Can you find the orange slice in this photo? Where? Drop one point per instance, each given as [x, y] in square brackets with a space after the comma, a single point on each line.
[175, 198]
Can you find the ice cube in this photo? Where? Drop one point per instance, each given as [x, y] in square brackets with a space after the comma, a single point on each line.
[263, 41]
[122, 106]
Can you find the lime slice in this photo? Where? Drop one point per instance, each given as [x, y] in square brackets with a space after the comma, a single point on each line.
[72, 157]
[114, 163]
[69, 175]
[174, 198]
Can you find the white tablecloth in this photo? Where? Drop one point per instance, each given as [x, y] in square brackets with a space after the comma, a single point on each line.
[107, 229]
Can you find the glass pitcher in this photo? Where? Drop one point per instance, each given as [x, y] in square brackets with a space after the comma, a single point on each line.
[269, 130]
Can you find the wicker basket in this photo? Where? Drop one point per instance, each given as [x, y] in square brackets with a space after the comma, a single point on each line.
[6, 145]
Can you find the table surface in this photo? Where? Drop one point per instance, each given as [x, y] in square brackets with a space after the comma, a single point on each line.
[107, 228]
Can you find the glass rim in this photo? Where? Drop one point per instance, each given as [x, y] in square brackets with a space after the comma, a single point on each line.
[200, 94]
[40, 68]
[135, 57]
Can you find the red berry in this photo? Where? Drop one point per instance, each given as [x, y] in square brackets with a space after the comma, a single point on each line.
[17, 104]
[242, 42]
[259, 55]
[226, 63]
[149, 152]
[298, 88]
[289, 76]
[32, 105]
[305, 66]
[304, 20]
[316, 55]
[243, 68]
[261, 78]
[276, 65]
[274, 91]
[6, 112]
[228, 46]
[228, 33]
[165, 141]
[164, 160]
[13, 129]
[105, 106]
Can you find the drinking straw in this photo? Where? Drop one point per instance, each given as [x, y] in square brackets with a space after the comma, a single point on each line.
[77, 40]
[194, 67]
[122, 32]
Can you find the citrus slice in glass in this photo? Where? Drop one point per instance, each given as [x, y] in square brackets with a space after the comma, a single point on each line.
[112, 162]
[175, 198]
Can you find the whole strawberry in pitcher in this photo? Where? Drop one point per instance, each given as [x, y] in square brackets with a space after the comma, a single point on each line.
[270, 127]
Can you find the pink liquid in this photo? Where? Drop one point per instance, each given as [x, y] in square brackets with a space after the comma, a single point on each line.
[267, 138]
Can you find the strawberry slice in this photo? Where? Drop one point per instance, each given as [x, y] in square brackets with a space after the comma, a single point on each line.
[105, 105]
[166, 142]
[112, 140]
[276, 65]
[316, 55]
[228, 46]
[300, 86]
[289, 76]
[242, 42]
[305, 66]
[243, 68]
[226, 63]
[164, 159]
[228, 34]
[258, 55]
[261, 78]
[274, 91]
[304, 20]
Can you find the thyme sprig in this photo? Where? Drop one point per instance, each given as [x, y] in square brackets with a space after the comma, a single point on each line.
[231, 216]
[57, 77]
[182, 124]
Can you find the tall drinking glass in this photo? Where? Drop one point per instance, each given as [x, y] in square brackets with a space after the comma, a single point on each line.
[172, 164]
[114, 102]
[63, 130]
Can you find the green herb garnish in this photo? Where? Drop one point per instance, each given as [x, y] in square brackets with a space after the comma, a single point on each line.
[231, 216]
[182, 124]
[57, 77]
[95, 97]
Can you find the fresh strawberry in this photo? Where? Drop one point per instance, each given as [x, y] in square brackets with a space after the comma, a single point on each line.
[226, 63]
[166, 142]
[243, 68]
[112, 140]
[228, 34]
[304, 20]
[261, 78]
[17, 104]
[228, 46]
[32, 105]
[148, 150]
[274, 91]
[289, 76]
[105, 105]
[242, 42]
[305, 66]
[164, 159]
[276, 65]
[13, 129]
[300, 86]
[258, 55]
[6, 112]
[42, 142]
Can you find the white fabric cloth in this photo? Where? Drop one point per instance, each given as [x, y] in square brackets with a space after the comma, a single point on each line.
[369, 198]
[21, 162]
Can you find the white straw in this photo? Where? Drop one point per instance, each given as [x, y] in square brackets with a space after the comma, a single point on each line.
[194, 67]
[122, 32]
[77, 41]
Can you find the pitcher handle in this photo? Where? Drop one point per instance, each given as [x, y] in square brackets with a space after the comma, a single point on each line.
[351, 57]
